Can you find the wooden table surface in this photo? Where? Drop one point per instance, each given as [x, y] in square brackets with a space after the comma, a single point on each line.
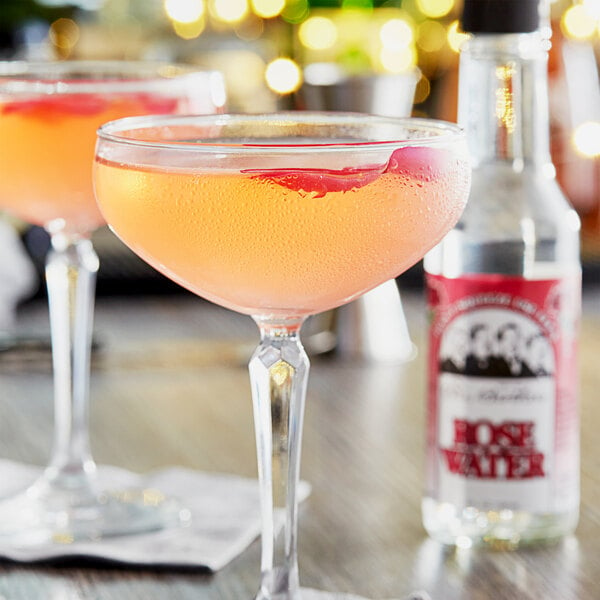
[170, 387]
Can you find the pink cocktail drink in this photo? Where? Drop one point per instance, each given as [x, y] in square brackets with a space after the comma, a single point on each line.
[47, 149]
[48, 132]
[288, 241]
[279, 217]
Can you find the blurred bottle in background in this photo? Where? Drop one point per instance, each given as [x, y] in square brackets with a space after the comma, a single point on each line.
[574, 92]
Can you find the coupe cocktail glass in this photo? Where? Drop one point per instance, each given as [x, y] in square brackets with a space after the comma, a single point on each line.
[279, 217]
[49, 114]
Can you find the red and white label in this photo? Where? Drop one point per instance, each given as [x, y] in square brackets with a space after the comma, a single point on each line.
[503, 427]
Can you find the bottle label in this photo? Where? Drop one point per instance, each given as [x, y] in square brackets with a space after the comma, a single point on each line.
[503, 427]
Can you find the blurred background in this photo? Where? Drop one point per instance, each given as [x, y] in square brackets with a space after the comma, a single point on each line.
[272, 51]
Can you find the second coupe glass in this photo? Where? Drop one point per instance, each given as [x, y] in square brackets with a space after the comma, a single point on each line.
[49, 113]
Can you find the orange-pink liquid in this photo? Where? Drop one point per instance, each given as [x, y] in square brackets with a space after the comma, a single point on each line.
[255, 243]
[47, 150]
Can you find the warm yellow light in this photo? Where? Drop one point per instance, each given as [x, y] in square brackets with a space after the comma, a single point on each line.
[318, 33]
[422, 90]
[396, 35]
[435, 9]
[283, 76]
[592, 7]
[586, 139]
[243, 72]
[397, 61]
[189, 31]
[64, 34]
[431, 36]
[250, 29]
[577, 23]
[267, 9]
[230, 11]
[455, 37]
[184, 11]
[505, 110]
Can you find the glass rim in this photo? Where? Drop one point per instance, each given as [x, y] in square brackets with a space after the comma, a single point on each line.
[21, 76]
[442, 132]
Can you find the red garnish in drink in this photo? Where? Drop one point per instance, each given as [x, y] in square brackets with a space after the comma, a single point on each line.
[73, 104]
[415, 162]
[321, 181]
[420, 163]
[90, 104]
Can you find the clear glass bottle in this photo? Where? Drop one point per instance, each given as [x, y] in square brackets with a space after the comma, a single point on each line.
[504, 291]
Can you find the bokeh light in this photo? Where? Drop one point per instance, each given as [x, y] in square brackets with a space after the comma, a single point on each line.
[586, 139]
[63, 35]
[592, 7]
[396, 35]
[455, 37]
[431, 36]
[229, 11]
[295, 11]
[250, 29]
[434, 9]
[422, 90]
[189, 31]
[578, 23]
[267, 9]
[283, 76]
[394, 61]
[318, 33]
[184, 11]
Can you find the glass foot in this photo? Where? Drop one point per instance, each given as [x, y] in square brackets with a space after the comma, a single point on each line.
[48, 514]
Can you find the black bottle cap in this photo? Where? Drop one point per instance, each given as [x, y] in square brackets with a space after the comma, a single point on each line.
[500, 16]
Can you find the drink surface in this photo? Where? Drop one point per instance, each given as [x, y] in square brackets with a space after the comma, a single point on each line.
[48, 148]
[285, 241]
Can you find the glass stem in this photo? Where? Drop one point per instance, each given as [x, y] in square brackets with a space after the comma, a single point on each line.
[71, 268]
[279, 374]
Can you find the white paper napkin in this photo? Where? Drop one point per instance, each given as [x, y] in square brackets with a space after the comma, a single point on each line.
[225, 519]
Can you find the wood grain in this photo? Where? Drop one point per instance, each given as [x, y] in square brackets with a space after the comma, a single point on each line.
[170, 386]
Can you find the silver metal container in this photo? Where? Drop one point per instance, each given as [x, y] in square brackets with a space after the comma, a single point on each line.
[372, 328]
[327, 87]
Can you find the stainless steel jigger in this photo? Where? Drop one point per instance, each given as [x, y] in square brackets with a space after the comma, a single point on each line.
[372, 328]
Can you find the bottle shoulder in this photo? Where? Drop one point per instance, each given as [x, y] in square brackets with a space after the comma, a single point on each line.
[515, 224]
[504, 203]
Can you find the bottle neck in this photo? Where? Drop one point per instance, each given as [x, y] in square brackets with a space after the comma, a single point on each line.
[503, 100]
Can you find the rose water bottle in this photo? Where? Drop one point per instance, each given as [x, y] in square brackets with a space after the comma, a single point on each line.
[504, 296]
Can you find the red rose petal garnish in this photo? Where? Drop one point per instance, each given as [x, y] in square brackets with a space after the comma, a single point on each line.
[416, 162]
[90, 104]
[419, 162]
[73, 104]
[320, 181]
